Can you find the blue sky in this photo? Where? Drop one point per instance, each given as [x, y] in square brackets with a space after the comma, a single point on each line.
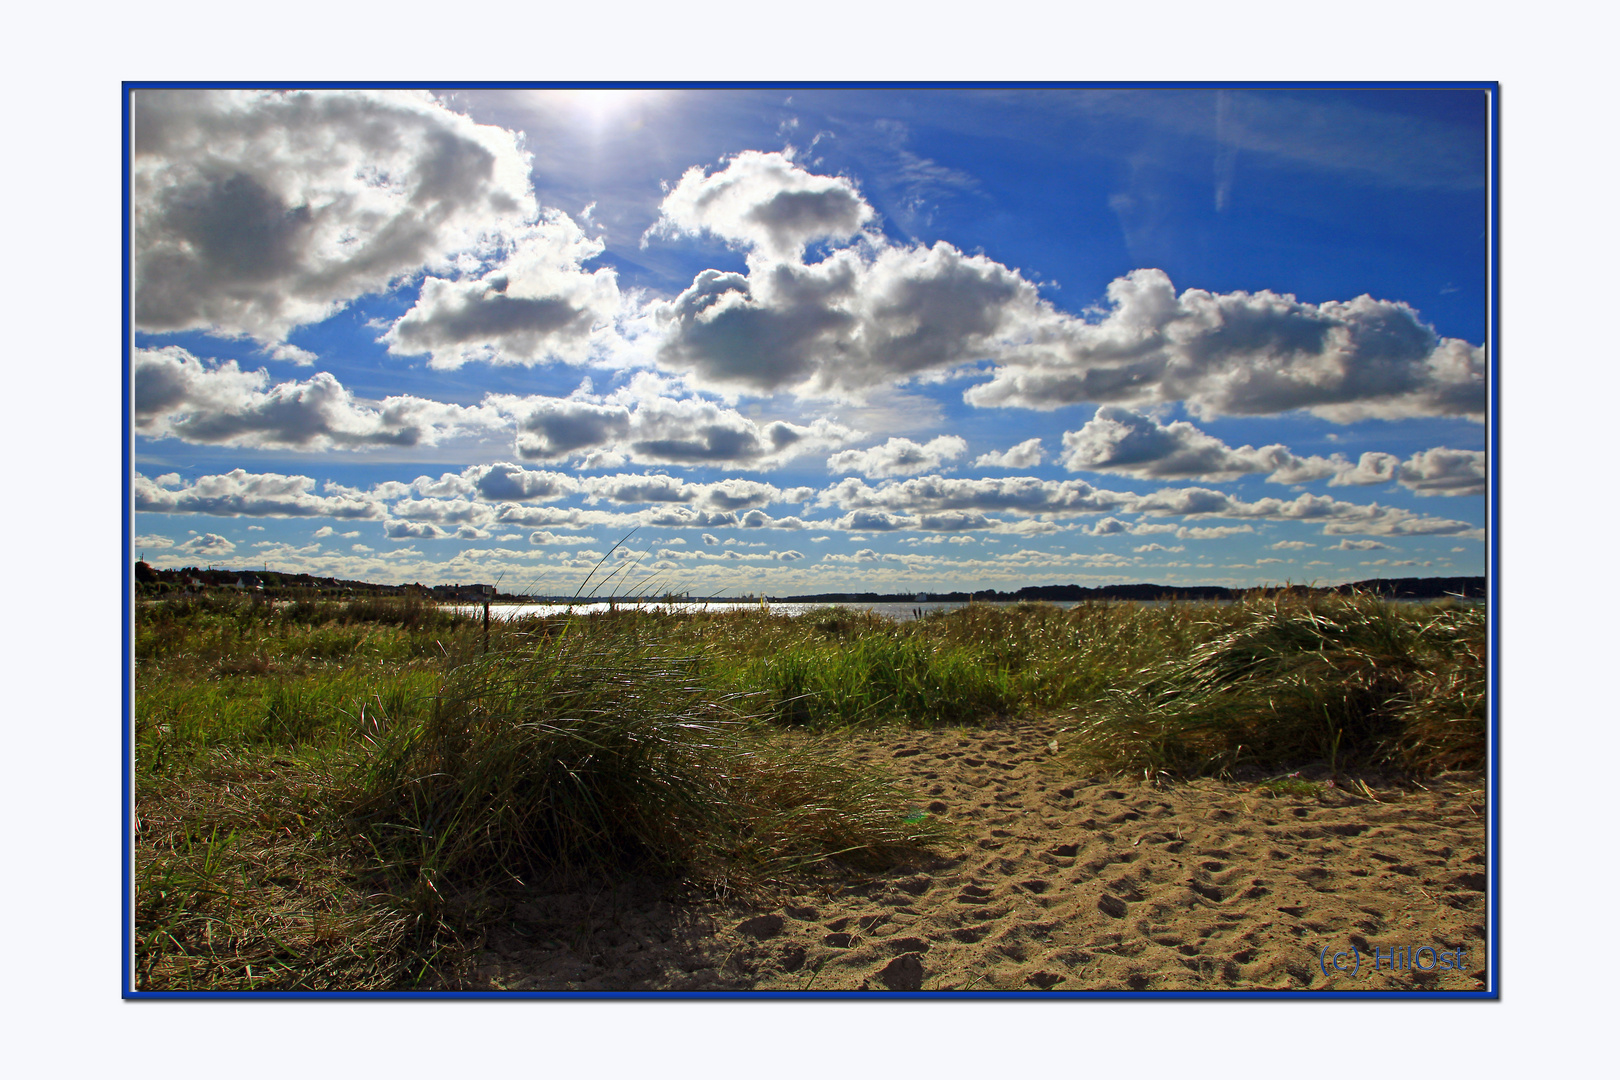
[812, 339]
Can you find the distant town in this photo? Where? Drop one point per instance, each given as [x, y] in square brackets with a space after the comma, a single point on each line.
[151, 583]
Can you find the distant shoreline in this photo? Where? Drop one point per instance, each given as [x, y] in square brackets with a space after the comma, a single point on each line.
[1431, 588]
[1395, 588]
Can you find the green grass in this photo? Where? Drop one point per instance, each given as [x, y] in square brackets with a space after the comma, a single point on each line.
[1291, 786]
[336, 795]
[874, 679]
[836, 667]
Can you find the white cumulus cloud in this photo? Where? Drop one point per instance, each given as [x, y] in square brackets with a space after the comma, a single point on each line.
[1026, 455]
[899, 457]
[872, 313]
[763, 201]
[1117, 440]
[1442, 471]
[211, 545]
[257, 211]
[240, 493]
[179, 396]
[1241, 353]
[659, 430]
[537, 304]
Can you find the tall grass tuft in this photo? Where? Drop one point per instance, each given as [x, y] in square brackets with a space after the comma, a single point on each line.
[601, 751]
[1343, 681]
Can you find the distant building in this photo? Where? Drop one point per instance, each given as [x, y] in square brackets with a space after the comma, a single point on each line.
[475, 593]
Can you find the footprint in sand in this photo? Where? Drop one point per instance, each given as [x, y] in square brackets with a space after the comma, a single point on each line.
[1112, 906]
[903, 973]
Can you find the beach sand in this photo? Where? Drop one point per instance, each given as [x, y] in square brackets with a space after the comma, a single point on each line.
[1060, 883]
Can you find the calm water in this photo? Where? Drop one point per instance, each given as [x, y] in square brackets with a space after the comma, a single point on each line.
[901, 612]
[898, 612]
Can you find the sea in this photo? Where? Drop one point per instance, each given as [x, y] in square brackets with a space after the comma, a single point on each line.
[899, 612]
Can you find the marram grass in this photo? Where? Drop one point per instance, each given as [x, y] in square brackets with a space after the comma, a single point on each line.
[597, 750]
[335, 820]
[1340, 681]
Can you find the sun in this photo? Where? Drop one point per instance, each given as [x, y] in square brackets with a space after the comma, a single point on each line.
[601, 107]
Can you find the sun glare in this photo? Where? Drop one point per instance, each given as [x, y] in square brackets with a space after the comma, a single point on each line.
[599, 107]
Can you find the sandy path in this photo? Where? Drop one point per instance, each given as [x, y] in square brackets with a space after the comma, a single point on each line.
[1058, 883]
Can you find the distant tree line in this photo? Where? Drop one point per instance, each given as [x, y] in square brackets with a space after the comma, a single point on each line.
[1396, 588]
[151, 582]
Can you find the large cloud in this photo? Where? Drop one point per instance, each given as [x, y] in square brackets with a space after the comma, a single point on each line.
[1117, 440]
[859, 319]
[552, 429]
[537, 305]
[1438, 471]
[875, 313]
[645, 488]
[259, 211]
[1443, 471]
[1120, 441]
[899, 457]
[934, 494]
[1242, 353]
[179, 396]
[763, 202]
[901, 503]
[486, 496]
[239, 493]
[420, 530]
[658, 430]
[504, 481]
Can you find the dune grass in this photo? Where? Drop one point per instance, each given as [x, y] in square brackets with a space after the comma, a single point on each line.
[334, 796]
[1339, 681]
[604, 749]
[247, 877]
[338, 817]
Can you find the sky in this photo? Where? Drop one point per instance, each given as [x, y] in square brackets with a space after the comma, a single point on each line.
[801, 340]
